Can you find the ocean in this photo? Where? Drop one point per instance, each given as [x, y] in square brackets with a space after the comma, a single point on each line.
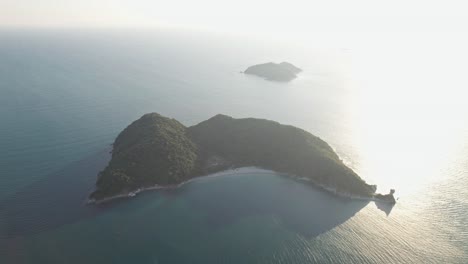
[395, 114]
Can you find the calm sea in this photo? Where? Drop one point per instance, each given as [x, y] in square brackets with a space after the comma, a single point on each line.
[396, 117]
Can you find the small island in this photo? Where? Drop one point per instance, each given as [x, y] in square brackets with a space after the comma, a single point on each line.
[389, 198]
[280, 72]
[155, 151]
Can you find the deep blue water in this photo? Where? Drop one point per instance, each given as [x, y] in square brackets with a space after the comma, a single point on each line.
[65, 96]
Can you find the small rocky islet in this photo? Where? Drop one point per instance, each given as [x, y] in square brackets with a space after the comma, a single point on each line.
[279, 72]
[156, 151]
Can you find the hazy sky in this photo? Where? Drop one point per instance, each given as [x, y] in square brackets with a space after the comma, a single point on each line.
[292, 16]
[407, 55]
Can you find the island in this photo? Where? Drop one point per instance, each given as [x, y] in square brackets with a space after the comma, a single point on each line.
[155, 151]
[280, 72]
[389, 198]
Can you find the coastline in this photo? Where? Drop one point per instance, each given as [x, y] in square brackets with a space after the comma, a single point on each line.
[330, 189]
[338, 193]
[233, 171]
[129, 194]
[133, 193]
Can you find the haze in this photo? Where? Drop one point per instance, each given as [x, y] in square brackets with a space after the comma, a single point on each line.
[401, 52]
[240, 16]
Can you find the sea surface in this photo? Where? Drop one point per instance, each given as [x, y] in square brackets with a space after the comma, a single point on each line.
[395, 114]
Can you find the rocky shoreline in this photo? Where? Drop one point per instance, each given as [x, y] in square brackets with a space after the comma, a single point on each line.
[134, 193]
[126, 194]
[376, 197]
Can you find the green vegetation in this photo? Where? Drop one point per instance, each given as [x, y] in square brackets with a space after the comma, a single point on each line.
[157, 150]
[281, 72]
[152, 150]
[270, 145]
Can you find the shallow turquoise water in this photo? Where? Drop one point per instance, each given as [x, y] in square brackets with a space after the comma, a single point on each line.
[65, 96]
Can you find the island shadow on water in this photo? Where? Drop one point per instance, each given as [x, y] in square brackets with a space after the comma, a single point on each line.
[300, 207]
[384, 207]
[232, 196]
[59, 199]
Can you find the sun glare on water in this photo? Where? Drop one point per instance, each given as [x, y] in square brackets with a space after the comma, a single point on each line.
[408, 110]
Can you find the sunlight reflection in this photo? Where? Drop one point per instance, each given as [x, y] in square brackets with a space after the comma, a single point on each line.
[407, 125]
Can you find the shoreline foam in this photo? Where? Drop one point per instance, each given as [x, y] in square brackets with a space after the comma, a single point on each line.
[235, 171]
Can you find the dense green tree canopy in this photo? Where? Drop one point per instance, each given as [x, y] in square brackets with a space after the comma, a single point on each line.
[158, 150]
